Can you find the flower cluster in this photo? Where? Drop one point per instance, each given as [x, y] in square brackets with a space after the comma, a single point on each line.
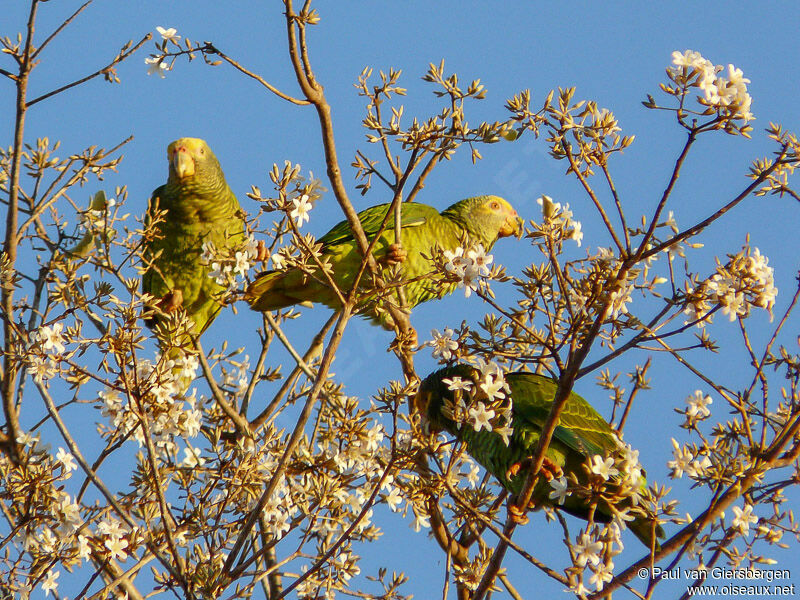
[484, 403]
[727, 95]
[157, 63]
[229, 265]
[594, 549]
[160, 387]
[558, 223]
[469, 267]
[594, 290]
[696, 409]
[745, 282]
[45, 345]
[686, 461]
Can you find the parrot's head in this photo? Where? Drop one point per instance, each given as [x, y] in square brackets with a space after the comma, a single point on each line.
[487, 218]
[434, 396]
[191, 157]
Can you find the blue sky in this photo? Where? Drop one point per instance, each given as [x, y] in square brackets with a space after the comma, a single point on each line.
[614, 52]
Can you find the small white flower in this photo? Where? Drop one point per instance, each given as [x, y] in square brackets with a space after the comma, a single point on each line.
[455, 261]
[300, 211]
[743, 517]
[394, 499]
[480, 259]
[469, 281]
[156, 65]
[192, 458]
[683, 457]
[603, 467]
[84, 549]
[242, 263]
[560, 492]
[602, 574]
[66, 459]
[421, 521]
[458, 384]
[116, 548]
[494, 386]
[49, 584]
[480, 417]
[697, 405]
[168, 34]
[51, 337]
[443, 344]
[587, 550]
[505, 432]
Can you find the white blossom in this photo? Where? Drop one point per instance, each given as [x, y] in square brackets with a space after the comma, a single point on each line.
[49, 584]
[603, 467]
[116, 548]
[587, 550]
[698, 404]
[192, 458]
[443, 344]
[743, 518]
[300, 211]
[603, 573]
[157, 66]
[421, 521]
[681, 462]
[480, 417]
[168, 34]
[560, 491]
[457, 384]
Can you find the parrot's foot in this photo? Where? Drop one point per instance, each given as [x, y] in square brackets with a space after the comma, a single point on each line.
[395, 255]
[549, 469]
[262, 253]
[516, 513]
[406, 340]
[171, 301]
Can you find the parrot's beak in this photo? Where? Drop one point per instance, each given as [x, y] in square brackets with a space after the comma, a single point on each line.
[514, 225]
[183, 163]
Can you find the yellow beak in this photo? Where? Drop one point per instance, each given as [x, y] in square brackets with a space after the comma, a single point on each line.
[514, 225]
[183, 163]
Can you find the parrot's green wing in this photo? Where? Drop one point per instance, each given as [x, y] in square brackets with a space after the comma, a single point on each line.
[580, 427]
[412, 214]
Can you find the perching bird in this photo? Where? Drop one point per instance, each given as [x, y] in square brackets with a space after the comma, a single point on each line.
[580, 435]
[200, 208]
[482, 220]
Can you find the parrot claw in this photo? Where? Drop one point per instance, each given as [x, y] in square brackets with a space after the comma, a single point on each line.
[395, 255]
[549, 469]
[517, 514]
[406, 340]
[262, 253]
[171, 301]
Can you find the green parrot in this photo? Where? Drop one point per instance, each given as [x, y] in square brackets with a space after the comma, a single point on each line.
[481, 220]
[200, 208]
[580, 435]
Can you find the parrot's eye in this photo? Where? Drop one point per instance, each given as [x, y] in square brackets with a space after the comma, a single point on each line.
[495, 205]
[202, 150]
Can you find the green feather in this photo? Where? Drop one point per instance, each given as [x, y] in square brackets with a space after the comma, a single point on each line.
[482, 219]
[580, 434]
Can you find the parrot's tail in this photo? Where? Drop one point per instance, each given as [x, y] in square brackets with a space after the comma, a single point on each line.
[268, 292]
[643, 529]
